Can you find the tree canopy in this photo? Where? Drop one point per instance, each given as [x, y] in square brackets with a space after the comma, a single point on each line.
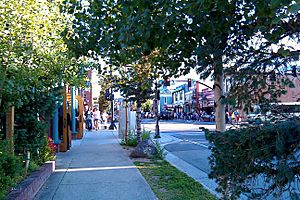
[33, 55]
[244, 40]
[34, 63]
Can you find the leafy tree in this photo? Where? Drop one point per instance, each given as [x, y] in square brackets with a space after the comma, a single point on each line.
[135, 73]
[31, 47]
[34, 61]
[103, 103]
[147, 106]
[232, 38]
[135, 84]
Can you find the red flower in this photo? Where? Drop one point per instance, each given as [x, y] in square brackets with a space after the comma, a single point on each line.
[51, 146]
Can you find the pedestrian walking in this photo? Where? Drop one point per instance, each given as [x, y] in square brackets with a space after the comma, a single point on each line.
[232, 118]
[104, 117]
[226, 117]
[88, 119]
[97, 117]
[237, 116]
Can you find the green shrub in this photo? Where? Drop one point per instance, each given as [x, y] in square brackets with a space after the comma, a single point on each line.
[132, 138]
[267, 155]
[33, 166]
[145, 135]
[48, 151]
[10, 170]
[161, 154]
[132, 142]
[31, 128]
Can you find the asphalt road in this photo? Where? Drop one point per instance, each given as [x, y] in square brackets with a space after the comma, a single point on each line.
[192, 146]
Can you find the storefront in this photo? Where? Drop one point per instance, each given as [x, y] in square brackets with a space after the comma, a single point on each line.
[207, 100]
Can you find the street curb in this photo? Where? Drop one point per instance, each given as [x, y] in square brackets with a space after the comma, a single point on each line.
[29, 187]
[197, 174]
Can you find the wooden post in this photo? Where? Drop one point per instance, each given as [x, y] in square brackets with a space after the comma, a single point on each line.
[69, 120]
[10, 121]
[80, 117]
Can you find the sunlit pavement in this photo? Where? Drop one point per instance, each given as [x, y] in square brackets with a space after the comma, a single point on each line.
[96, 167]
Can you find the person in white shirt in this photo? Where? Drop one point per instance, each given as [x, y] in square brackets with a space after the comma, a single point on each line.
[96, 116]
[104, 116]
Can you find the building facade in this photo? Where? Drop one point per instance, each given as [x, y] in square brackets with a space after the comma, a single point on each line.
[178, 98]
[165, 101]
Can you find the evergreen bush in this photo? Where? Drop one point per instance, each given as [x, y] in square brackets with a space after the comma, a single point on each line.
[257, 161]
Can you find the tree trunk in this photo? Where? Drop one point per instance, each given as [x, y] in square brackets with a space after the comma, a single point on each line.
[138, 121]
[219, 93]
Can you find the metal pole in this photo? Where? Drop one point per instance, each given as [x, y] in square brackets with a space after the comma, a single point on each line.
[73, 114]
[112, 123]
[55, 124]
[126, 121]
[157, 134]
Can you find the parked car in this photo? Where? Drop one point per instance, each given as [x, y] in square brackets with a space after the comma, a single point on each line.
[165, 116]
[208, 118]
[268, 117]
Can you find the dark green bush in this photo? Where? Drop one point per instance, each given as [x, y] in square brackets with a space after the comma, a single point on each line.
[31, 120]
[10, 170]
[256, 161]
[30, 135]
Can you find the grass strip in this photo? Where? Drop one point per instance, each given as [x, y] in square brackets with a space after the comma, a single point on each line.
[167, 182]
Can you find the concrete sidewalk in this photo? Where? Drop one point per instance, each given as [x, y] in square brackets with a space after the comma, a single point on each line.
[96, 167]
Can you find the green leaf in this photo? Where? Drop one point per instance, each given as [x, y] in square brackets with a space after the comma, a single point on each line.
[275, 3]
[276, 20]
[284, 52]
[294, 8]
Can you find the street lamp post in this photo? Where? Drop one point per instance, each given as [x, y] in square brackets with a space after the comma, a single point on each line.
[157, 134]
[112, 123]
